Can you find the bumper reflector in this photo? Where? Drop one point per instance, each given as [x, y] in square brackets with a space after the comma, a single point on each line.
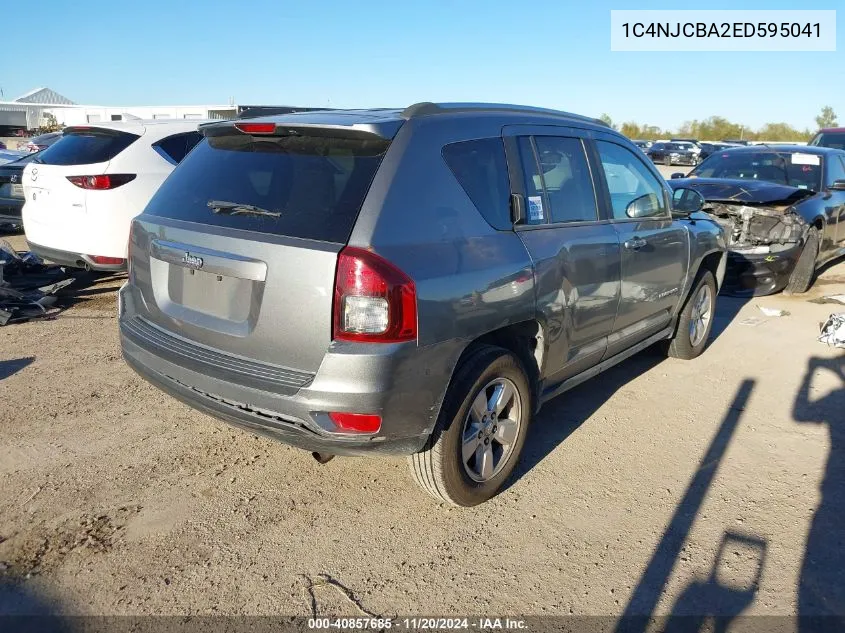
[357, 422]
[106, 261]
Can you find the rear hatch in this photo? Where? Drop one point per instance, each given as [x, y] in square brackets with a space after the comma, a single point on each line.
[51, 197]
[233, 260]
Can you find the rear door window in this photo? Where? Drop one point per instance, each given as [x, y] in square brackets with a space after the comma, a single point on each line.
[299, 186]
[86, 147]
[535, 196]
[481, 169]
[558, 184]
[567, 180]
[174, 148]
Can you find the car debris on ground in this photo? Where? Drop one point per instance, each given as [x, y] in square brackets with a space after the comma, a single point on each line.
[28, 286]
[840, 299]
[833, 331]
[773, 312]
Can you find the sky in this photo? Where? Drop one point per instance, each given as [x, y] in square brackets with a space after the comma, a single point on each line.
[386, 53]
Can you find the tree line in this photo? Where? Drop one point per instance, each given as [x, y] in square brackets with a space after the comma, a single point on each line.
[717, 128]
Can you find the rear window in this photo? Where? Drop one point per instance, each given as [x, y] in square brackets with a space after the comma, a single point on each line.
[86, 147]
[835, 140]
[481, 169]
[299, 186]
[174, 148]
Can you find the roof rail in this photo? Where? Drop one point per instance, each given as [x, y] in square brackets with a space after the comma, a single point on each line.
[427, 108]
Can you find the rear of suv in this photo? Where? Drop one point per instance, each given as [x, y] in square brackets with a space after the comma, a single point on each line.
[410, 281]
[81, 193]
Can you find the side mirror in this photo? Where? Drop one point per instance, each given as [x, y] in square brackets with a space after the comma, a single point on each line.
[678, 174]
[838, 185]
[687, 201]
[643, 207]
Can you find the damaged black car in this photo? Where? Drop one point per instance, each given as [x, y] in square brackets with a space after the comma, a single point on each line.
[783, 211]
[11, 192]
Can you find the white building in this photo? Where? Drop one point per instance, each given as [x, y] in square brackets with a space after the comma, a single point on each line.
[28, 111]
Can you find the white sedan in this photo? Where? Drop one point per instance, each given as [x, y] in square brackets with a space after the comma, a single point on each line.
[82, 192]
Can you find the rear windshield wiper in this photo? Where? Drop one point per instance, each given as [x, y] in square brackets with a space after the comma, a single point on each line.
[236, 208]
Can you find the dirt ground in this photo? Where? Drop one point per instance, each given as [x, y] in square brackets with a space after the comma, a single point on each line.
[662, 486]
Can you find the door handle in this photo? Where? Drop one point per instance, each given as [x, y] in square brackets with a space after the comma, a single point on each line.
[635, 244]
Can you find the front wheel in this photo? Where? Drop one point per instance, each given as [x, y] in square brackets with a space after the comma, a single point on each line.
[696, 319]
[802, 275]
[480, 432]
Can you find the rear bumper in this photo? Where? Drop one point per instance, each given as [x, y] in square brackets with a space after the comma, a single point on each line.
[764, 274]
[288, 430]
[402, 384]
[72, 260]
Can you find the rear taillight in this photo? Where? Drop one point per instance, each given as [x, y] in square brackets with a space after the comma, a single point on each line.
[102, 182]
[356, 422]
[373, 300]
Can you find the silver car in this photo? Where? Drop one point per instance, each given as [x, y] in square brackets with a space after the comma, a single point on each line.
[413, 281]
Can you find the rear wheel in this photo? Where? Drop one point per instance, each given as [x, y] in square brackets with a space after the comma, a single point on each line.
[480, 432]
[696, 319]
[802, 275]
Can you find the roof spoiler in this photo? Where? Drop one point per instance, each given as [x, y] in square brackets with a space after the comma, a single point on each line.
[359, 131]
[105, 131]
[251, 112]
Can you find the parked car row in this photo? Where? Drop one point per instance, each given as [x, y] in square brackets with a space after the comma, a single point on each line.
[674, 153]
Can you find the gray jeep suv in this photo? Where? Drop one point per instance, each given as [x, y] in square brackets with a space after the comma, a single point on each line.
[413, 281]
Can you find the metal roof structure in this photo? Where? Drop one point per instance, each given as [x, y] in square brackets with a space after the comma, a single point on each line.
[44, 96]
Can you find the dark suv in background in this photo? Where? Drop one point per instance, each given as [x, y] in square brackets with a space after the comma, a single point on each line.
[413, 281]
[830, 137]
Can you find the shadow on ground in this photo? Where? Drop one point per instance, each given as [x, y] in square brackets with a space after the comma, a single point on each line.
[821, 588]
[712, 603]
[96, 291]
[712, 596]
[727, 309]
[10, 367]
[562, 416]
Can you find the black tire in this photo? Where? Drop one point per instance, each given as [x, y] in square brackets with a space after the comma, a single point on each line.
[681, 344]
[802, 275]
[439, 468]
[667, 160]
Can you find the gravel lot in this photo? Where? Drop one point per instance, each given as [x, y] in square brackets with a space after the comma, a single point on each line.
[662, 486]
